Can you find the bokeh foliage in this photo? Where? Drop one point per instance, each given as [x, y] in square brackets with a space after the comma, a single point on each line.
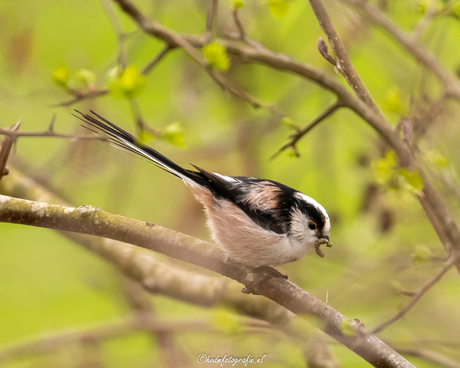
[383, 242]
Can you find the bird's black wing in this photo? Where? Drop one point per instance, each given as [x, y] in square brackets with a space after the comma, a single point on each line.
[235, 189]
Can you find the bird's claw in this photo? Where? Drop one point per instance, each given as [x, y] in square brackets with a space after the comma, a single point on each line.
[268, 273]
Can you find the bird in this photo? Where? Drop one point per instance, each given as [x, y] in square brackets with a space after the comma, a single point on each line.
[256, 222]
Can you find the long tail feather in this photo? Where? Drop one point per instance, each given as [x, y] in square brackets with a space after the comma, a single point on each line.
[121, 139]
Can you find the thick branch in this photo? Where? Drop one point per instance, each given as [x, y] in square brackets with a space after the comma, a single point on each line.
[109, 330]
[424, 56]
[155, 275]
[433, 205]
[93, 221]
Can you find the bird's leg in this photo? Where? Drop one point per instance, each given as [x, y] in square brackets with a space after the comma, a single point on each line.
[261, 275]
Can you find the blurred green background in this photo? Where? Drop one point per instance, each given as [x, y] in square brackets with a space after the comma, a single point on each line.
[382, 239]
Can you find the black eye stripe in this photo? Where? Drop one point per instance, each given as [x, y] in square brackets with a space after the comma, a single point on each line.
[311, 212]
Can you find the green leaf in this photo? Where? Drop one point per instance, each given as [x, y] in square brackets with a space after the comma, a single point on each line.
[287, 122]
[292, 152]
[61, 77]
[436, 159]
[216, 56]
[347, 328]
[278, 8]
[173, 133]
[421, 254]
[86, 76]
[384, 168]
[396, 286]
[238, 4]
[395, 102]
[128, 84]
[413, 181]
[144, 137]
[422, 6]
[113, 73]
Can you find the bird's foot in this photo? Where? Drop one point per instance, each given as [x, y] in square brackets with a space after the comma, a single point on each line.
[261, 275]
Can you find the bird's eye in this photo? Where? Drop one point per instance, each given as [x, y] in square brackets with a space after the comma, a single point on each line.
[312, 225]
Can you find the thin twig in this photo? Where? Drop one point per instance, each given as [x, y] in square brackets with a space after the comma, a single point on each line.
[140, 122]
[343, 62]
[239, 25]
[6, 146]
[80, 96]
[252, 52]
[51, 134]
[424, 56]
[151, 64]
[323, 50]
[433, 357]
[296, 137]
[52, 122]
[211, 17]
[176, 39]
[121, 35]
[430, 12]
[431, 282]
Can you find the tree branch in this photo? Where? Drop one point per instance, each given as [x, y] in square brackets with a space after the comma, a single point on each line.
[151, 64]
[343, 63]
[100, 332]
[211, 16]
[239, 25]
[430, 12]
[121, 36]
[141, 265]
[433, 205]
[80, 96]
[431, 356]
[296, 137]
[5, 147]
[278, 61]
[424, 56]
[174, 39]
[51, 134]
[433, 280]
[91, 220]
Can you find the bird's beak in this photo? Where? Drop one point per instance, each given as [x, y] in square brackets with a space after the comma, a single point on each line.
[327, 241]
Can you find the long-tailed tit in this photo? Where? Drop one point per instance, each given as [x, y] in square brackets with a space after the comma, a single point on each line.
[257, 222]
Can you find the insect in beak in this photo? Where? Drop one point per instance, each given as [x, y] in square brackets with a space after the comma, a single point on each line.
[325, 237]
